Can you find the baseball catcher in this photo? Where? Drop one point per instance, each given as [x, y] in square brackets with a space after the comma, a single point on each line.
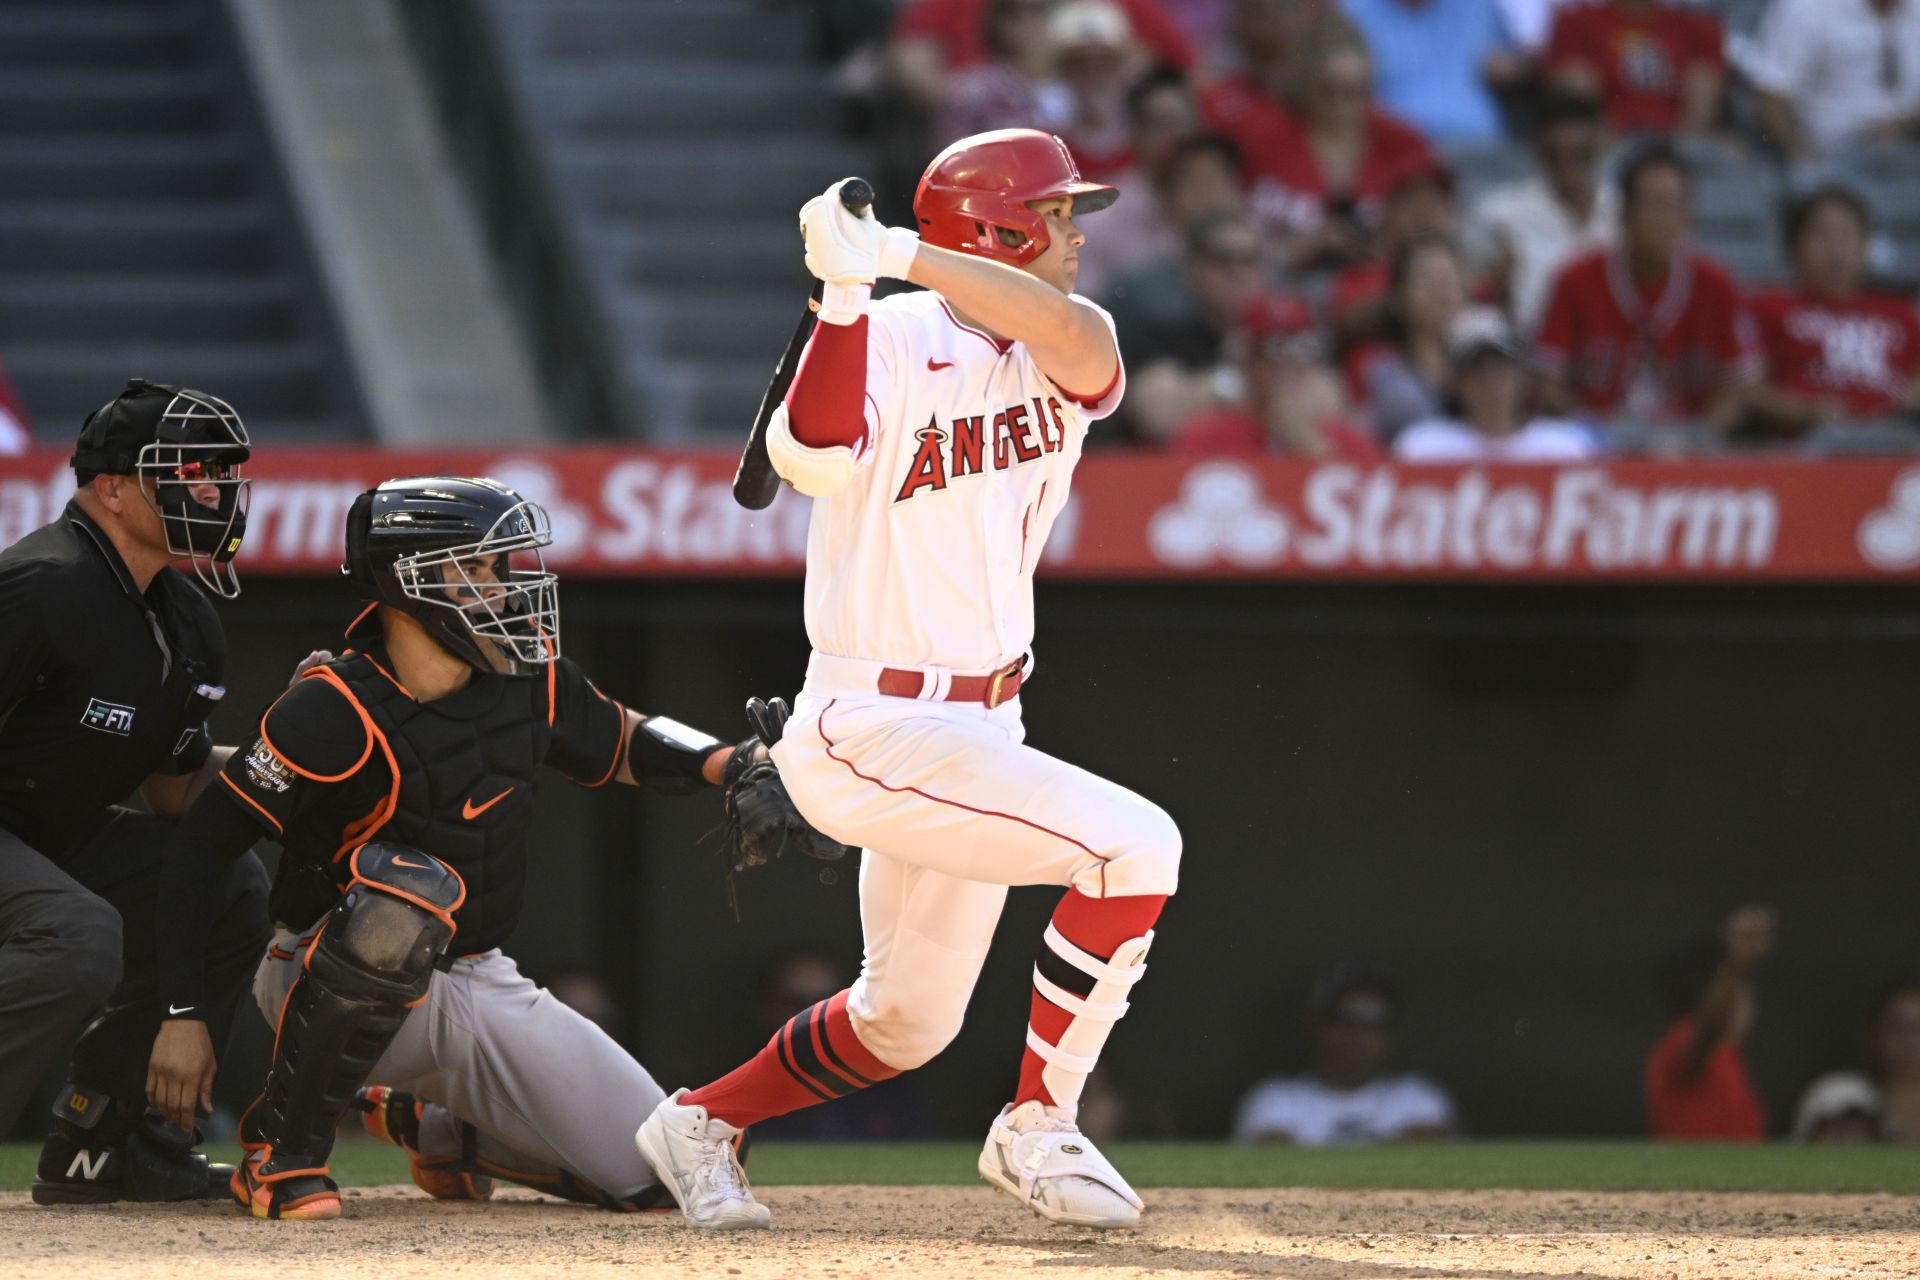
[399, 777]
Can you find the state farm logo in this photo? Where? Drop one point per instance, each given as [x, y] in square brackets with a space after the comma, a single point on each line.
[1349, 517]
[1221, 514]
[1890, 537]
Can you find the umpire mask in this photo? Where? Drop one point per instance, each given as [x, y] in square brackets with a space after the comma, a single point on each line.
[187, 449]
[462, 557]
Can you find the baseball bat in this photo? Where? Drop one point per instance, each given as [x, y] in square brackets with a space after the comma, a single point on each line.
[755, 483]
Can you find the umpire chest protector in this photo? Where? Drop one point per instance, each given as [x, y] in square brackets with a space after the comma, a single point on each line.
[461, 786]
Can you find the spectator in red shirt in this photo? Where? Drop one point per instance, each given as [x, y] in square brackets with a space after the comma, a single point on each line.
[1696, 1080]
[1014, 87]
[1649, 331]
[1321, 161]
[1289, 401]
[933, 38]
[1833, 350]
[1403, 377]
[1653, 65]
[1419, 202]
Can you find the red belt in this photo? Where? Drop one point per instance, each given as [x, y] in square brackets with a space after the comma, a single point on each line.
[1001, 686]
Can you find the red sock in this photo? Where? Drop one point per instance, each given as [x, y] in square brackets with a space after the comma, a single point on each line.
[813, 1058]
[1097, 926]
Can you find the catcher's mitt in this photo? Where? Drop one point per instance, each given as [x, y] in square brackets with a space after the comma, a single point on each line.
[761, 820]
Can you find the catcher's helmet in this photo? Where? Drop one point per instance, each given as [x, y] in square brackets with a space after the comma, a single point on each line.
[182, 441]
[982, 184]
[418, 545]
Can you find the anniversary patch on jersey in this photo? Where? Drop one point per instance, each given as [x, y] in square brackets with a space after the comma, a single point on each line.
[267, 770]
[108, 717]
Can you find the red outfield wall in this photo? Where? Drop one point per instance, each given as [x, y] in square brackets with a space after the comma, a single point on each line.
[623, 512]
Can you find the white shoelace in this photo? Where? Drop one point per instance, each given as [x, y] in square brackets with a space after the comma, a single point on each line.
[1047, 1123]
[722, 1169]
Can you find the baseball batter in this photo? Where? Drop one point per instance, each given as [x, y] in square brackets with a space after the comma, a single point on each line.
[937, 432]
[399, 779]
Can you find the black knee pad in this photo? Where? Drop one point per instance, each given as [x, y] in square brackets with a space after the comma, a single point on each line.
[392, 925]
[372, 961]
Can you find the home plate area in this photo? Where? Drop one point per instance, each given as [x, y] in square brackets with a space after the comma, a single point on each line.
[931, 1233]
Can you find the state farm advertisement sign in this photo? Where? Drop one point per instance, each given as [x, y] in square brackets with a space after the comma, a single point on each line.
[628, 512]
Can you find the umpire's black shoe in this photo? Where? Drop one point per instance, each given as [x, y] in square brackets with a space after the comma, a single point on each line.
[95, 1156]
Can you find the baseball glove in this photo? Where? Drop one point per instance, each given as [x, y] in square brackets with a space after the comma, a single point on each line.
[761, 821]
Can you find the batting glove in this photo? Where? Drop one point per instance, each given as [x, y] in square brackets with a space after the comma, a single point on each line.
[843, 249]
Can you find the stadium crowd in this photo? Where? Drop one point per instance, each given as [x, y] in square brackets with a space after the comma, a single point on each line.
[1695, 1082]
[1450, 229]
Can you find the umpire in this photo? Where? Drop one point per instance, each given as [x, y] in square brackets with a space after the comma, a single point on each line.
[109, 666]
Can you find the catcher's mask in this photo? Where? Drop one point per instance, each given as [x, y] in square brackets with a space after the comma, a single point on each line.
[460, 556]
[184, 446]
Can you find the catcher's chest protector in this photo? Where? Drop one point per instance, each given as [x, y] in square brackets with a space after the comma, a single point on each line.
[466, 769]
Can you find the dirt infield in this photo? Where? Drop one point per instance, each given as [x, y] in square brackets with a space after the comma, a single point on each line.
[937, 1233]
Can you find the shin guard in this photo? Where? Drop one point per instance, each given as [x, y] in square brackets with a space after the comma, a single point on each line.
[370, 963]
[1090, 995]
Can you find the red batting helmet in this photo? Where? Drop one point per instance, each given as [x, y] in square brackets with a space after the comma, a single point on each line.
[983, 183]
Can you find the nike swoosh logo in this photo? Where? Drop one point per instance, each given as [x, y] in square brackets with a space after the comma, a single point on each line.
[173, 1012]
[935, 366]
[470, 810]
[399, 861]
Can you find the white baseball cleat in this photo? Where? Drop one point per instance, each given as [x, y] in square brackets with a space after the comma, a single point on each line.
[1041, 1159]
[693, 1156]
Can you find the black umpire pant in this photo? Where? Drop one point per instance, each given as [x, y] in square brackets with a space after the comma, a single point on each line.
[79, 940]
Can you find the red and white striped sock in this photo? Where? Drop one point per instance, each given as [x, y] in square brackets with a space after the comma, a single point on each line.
[1093, 953]
[813, 1058]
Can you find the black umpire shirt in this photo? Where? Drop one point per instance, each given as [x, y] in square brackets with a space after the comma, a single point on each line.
[100, 686]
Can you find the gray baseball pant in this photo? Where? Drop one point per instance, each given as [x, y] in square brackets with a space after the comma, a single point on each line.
[545, 1088]
[59, 961]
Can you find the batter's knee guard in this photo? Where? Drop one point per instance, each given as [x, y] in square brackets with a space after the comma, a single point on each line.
[371, 962]
[907, 1029]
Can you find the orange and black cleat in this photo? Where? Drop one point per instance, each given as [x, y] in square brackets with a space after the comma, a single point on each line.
[393, 1115]
[292, 1195]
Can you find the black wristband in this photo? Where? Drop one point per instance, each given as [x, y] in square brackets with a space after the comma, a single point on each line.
[667, 755]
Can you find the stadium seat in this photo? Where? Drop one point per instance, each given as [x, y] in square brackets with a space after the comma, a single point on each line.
[142, 225]
[681, 139]
[1736, 210]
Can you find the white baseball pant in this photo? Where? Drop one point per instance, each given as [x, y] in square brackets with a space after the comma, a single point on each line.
[951, 808]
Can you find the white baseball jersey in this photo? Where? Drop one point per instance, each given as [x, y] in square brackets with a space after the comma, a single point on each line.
[926, 558]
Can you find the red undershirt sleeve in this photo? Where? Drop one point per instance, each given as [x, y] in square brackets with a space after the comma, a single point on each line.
[826, 403]
[1093, 401]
